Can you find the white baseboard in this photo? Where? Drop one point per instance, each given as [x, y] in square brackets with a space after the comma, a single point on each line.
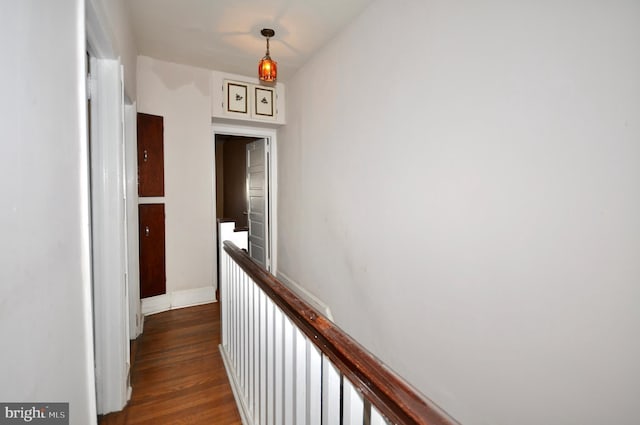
[305, 295]
[243, 409]
[155, 304]
[178, 299]
[191, 297]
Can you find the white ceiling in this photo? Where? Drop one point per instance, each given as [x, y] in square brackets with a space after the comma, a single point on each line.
[225, 34]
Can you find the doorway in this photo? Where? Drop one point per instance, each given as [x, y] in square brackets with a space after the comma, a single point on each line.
[231, 175]
[240, 181]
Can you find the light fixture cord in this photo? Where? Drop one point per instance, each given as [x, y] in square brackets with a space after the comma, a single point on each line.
[267, 46]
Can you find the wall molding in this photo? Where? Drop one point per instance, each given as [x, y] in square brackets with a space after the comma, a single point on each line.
[305, 294]
[178, 299]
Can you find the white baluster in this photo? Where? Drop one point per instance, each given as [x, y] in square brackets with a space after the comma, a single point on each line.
[301, 378]
[270, 362]
[228, 303]
[242, 334]
[248, 284]
[250, 346]
[278, 370]
[376, 417]
[247, 337]
[223, 296]
[263, 359]
[314, 394]
[289, 371]
[256, 355]
[236, 318]
[230, 309]
[232, 314]
[330, 393]
[234, 300]
[352, 404]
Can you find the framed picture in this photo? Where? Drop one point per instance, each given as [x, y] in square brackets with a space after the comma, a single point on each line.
[263, 100]
[237, 98]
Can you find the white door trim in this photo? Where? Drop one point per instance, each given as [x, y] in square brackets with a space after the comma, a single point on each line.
[257, 132]
[108, 236]
[131, 191]
[108, 250]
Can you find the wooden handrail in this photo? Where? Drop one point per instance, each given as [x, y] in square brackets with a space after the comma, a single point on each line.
[393, 396]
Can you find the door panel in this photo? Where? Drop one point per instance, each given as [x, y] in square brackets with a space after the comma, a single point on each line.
[256, 202]
[152, 250]
[257, 194]
[150, 155]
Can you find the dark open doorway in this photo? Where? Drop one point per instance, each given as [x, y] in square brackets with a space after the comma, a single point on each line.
[231, 177]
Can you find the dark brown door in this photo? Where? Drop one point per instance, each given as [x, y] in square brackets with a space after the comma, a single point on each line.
[152, 252]
[150, 155]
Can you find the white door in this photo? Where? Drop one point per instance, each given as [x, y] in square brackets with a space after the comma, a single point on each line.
[258, 198]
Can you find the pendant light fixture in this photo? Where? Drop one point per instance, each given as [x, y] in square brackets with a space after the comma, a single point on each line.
[267, 68]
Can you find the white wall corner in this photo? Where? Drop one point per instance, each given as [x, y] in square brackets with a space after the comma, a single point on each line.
[98, 32]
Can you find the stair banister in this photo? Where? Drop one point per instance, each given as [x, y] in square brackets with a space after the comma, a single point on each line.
[344, 384]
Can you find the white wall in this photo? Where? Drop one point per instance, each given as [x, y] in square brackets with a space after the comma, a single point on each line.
[116, 24]
[462, 186]
[181, 94]
[45, 299]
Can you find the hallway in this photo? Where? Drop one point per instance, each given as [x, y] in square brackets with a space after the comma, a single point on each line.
[178, 374]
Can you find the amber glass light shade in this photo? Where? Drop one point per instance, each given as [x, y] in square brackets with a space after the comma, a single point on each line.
[267, 69]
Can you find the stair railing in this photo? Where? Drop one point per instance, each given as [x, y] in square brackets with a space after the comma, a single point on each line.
[290, 365]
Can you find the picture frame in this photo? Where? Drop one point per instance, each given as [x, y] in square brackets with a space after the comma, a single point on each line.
[264, 102]
[237, 97]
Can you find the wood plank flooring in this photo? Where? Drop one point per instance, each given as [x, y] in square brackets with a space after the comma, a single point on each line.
[178, 375]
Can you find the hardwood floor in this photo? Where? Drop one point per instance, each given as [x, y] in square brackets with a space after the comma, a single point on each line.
[178, 375]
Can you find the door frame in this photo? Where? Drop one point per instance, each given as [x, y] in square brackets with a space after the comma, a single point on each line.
[111, 301]
[131, 194]
[109, 236]
[259, 133]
